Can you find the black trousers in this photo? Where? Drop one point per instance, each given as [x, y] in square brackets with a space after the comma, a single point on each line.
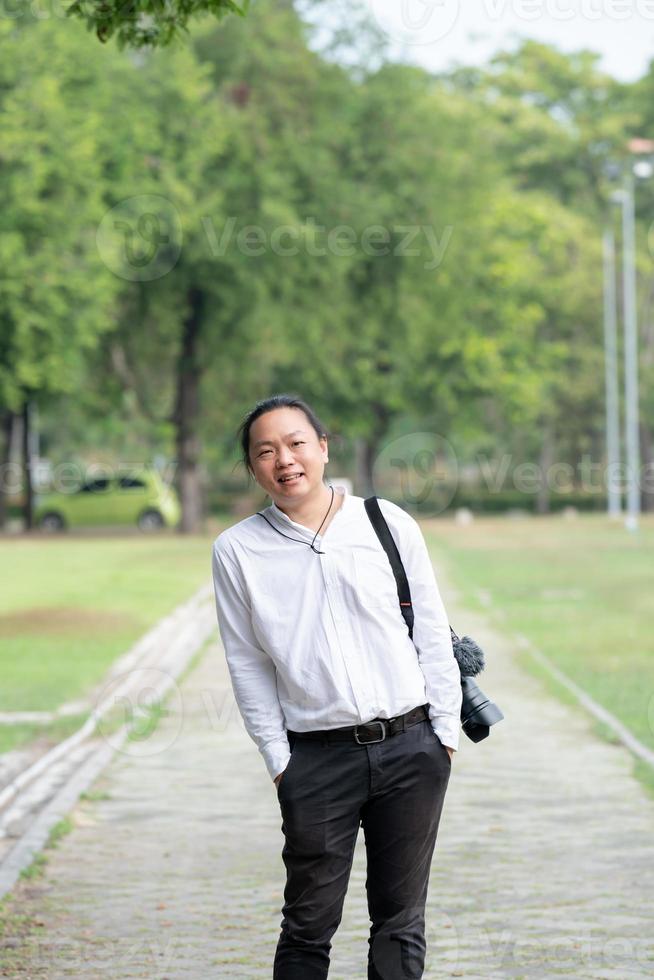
[395, 790]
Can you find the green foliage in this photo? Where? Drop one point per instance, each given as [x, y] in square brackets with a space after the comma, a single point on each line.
[396, 246]
[56, 296]
[148, 23]
[37, 867]
[558, 118]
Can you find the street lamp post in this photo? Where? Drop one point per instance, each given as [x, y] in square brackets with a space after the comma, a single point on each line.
[611, 376]
[630, 353]
[641, 168]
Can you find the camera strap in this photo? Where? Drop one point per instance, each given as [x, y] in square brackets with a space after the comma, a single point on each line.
[387, 542]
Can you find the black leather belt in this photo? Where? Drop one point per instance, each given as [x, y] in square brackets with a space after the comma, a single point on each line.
[372, 731]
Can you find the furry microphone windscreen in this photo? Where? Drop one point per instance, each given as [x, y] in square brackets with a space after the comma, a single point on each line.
[469, 656]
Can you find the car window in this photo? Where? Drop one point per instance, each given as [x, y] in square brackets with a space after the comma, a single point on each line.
[95, 486]
[130, 482]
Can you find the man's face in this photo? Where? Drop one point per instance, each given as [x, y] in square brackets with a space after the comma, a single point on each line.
[287, 457]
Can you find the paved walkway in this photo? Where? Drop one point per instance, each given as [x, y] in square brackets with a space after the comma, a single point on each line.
[544, 865]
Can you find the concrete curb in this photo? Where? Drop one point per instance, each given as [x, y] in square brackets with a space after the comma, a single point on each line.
[187, 630]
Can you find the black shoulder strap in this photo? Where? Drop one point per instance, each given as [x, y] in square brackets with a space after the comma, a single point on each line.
[382, 530]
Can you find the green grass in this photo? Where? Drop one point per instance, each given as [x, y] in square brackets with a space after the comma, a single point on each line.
[70, 606]
[19, 934]
[94, 795]
[580, 590]
[13, 735]
[39, 864]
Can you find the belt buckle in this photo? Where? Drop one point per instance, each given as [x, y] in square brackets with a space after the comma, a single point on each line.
[370, 741]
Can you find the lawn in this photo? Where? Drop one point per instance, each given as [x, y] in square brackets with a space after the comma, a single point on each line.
[71, 605]
[580, 590]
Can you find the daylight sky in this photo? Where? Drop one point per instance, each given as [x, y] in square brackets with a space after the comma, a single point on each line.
[438, 33]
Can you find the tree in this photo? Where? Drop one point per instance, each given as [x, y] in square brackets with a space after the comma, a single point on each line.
[383, 261]
[228, 139]
[148, 23]
[539, 300]
[559, 118]
[56, 295]
[410, 187]
[159, 253]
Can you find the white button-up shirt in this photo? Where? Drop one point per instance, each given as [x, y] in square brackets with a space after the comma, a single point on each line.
[316, 641]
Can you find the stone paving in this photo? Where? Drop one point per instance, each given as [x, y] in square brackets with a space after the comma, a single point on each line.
[544, 864]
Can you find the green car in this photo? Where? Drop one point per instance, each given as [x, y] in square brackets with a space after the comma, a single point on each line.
[136, 497]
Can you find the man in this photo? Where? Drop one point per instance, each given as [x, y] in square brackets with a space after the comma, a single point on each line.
[356, 722]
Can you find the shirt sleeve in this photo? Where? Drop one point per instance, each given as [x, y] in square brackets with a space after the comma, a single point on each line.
[431, 629]
[253, 673]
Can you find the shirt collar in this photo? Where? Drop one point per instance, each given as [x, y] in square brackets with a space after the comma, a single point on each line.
[274, 510]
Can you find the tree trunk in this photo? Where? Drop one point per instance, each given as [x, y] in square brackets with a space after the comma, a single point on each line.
[366, 448]
[186, 416]
[364, 452]
[28, 505]
[545, 462]
[6, 433]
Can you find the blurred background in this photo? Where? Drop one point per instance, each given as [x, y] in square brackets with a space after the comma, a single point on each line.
[434, 224]
[401, 220]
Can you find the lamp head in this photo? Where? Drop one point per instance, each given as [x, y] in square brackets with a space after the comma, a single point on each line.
[643, 169]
